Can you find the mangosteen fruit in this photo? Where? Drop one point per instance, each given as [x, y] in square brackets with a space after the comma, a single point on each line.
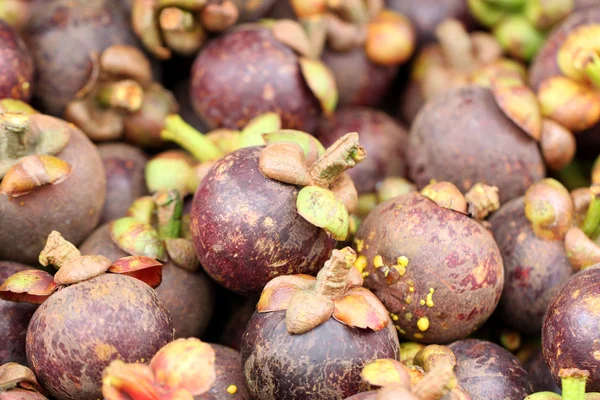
[539, 374]
[17, 65]
[52, 178]
[487, 371]
[293, 339]
[18, 382]
[236, 324]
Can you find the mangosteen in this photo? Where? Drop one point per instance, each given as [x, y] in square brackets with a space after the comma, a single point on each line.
[290, 221]
[230, 382]
[539, 374]
[16, 12]
[187, 293]
[64, 36]
[15, 319]
[88, 317]
[236, 324]
[124, 166]
[17, 65]
[292, 338]
[383, 138]
[535, 264]
[19, 383]
[440, 275]
[487, 371]
[52, 178]
[464, 137]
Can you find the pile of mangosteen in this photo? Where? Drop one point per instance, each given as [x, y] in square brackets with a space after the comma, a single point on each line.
[299, 199]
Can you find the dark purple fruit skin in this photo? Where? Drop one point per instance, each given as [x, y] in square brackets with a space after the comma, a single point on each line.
[14, 321]
[570, 335]
[359, 81]
[534, 269]
[80, 329]
[236, 325]
[246, 73]
[62, 36]
[539, 374]
[72, 207]
[446, 251]
[246, 228]
[16, 65]
[382, 137]
[463, 137]
[330, 358]
[125, 182]
[487, 371]
[411, 101]
[229, 372]
[188, 296]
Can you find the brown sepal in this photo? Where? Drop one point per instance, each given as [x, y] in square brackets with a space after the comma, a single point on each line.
[482, 200]
[360, 308]
[31, 286]
[57, 251]
[307, 310]
[519, 103]
[582, 252]
[291, 34]
[447, 195]
[181, 252]
[144, 268]
[13, 375]
[279, 291]
[32, 172]
[558, 145]
[80, 269]
[285, 162]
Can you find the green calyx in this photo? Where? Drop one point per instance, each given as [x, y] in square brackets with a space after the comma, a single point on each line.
[323, 209]
[518, 37]
[591, 223]
[137, 238]
[169, 211]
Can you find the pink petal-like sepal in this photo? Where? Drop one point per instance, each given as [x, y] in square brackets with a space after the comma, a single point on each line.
[360, 308]
[31, 286]
[278, 292]
[143, 268]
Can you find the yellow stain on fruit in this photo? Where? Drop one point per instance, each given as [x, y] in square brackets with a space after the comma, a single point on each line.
[401, 265]
[400, 330]
[418, 336]
[361, 263]
[394, 317]
[411, 289]
[408, 299]
[360, 243]
[378, 261]
[365, 274]
[429, 300]
[408, 316]
[422, 302]
[423, 324]
[232, 389]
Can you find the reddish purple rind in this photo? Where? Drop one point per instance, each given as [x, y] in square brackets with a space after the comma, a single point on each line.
[330, 358]
[447, 251]
[14, 321]
[246, 228]
[463, 137]
[62, 35]
[189, 296]
[487, 371]
[246, 73]
[16, 64]
[359, 81]
[235, 326]
[534, 269]
[229, 370]
[383, 138]
[570, 335]
[78, 331]
[125, 182]
[539, 374]
[72, 207]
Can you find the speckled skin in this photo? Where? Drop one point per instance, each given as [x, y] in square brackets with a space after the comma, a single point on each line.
[62, 35]
[570, 336]
[189, 297]
[14, 321]
[80, 329]
[539, 374]
[246, 228]
[229, 372]
[360, 82]
[463, 137]
[534, 269]
[245, 73]
[487, 371]
[382, 137]
[16, 65]
[322, 364]
[124, 166]
[72, 207]
[447, 251]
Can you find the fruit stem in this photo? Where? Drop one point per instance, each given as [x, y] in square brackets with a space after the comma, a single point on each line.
[344, 154]
[170, 211]
[436, 383]
[175, 19]
[333, 278]
[591, 223]
[508, 4]
[12, 142]
[592, 69]
[57, 251]
[127, 95]
[573, 383]
[178, 131]
[456, 44]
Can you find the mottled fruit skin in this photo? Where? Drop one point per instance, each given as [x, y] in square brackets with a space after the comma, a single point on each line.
[383, 138]
[463, 137]
[534, 269]
[125, 182]
[14, 321]
[189, 296]
[360, 82]
[229, 372]
[62, 36]
[322, 364]
[447, 251]
[539, 374]
[245, 73]
[16, 65]
[487, 371]
[570, 334]
[72, 207]
[246, 228]
[80, 329]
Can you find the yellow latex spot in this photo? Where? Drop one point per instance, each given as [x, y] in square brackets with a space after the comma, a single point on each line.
[418, 336]
[365, 274]
[422, 302]
[361, 263]
[430, 297]
[408, 316]
[378, 261]
[423, 324]
[400, 330]
[360, 243]
[411, 289]
[395, 317]
[232, 389]
[403, 261]
[408, 300]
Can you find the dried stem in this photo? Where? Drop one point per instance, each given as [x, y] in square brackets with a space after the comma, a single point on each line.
[341, 156]
[456, 44]
[127, 95]
[58, 251]
[332, 280]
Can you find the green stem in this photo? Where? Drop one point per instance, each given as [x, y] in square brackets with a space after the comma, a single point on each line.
[573, 384]
[572, 176]
[591, 223]
[592, 69]
[178, 131]
[170, 212]
[507, 4]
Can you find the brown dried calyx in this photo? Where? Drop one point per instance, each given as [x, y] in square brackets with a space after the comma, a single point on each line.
[35, 286]
[479, 202]
[20, 381]
[120, 81]
[180, 26]
[581, 241]
[482, 200]
[335, 292]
